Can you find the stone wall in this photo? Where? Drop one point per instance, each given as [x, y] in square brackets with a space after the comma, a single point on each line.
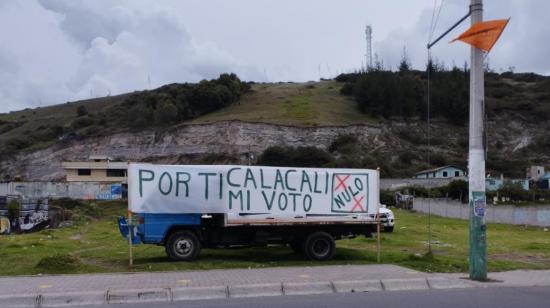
[536, 215]
[74, 190]
[400, 183]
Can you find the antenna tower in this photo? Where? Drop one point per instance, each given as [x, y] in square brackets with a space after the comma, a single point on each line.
[368, 55]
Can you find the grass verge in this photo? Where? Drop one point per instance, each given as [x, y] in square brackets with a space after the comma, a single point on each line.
[94, 245]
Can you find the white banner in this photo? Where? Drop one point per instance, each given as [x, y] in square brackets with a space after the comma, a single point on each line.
[251, 189]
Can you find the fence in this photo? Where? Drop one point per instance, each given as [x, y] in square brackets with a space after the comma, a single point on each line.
[400, 183]
[538, 215]
[74, 190]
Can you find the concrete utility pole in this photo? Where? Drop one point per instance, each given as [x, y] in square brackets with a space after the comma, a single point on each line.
[476, 157]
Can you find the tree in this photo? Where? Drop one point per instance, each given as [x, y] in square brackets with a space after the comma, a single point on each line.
[139, 116]
[81, 111]
[166, 113]
[404, 64]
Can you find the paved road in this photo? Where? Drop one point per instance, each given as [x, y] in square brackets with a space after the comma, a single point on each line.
[479, 297]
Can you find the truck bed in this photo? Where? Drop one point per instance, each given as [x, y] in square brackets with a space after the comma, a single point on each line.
[268, 220]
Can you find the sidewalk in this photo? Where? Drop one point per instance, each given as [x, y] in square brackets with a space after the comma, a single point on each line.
[57, 290]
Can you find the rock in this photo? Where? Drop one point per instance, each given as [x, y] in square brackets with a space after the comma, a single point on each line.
[67, 223]
[174, 145]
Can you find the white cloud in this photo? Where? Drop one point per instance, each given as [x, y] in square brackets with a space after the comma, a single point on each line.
[523, 44]
[53, 51]
[68, 50]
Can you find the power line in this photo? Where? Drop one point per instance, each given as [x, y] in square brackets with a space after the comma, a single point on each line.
[435, 18]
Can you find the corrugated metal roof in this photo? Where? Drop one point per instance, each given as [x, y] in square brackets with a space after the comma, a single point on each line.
[94, 165]
[439, 168]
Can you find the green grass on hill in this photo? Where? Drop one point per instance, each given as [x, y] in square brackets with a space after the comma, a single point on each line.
[61, 114]
[95, 245]
[301, 104]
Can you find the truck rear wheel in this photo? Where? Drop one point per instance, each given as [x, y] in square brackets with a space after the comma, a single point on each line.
[319, 246]
[183, 246]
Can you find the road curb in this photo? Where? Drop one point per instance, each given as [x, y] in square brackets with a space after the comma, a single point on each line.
[445, 283]
[256, 290]
[405, 284]
[20, 300]
[307, 288]
[138, 296]
[357, 286]
[69, 299]
[198, 293]
[127, 296]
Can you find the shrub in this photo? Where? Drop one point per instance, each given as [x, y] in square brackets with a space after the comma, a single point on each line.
[166, 113]
[387, 197]
[412, 137]
[311, 157]
[438, 159]
[343, 143]
[295, 157]
[139, 116]
[93, 130]
[347, 77]
[346, 161]
[514, 191]
[275, 156]
[219, 158]
[81, 111]
[81, 122]
[178, 102]
[14, 144]
[407, 157]
[14, 210]
[458, 189]
[347, 89]
[501, 93]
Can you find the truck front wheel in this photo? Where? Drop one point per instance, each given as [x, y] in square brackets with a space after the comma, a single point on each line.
[183, 246]
[319, 246]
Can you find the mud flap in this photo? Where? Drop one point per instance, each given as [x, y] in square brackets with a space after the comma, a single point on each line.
[123, 228]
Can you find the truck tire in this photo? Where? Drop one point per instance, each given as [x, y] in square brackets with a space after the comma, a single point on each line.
[183, 246]
[388, 229]
[319, 246]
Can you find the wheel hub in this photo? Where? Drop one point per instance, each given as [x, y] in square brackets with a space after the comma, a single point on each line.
[184, 247]
[320, 247]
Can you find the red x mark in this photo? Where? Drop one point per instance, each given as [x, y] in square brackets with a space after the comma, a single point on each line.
[341, 182]
[358, 204]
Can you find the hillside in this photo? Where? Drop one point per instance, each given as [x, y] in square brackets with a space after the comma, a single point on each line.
[298, 104]
[284, 114]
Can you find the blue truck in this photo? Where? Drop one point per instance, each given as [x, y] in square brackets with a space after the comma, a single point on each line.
[186, 208]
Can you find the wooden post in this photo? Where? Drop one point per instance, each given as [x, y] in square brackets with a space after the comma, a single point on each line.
[129, 224]
[378, 224]
[378, 235]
